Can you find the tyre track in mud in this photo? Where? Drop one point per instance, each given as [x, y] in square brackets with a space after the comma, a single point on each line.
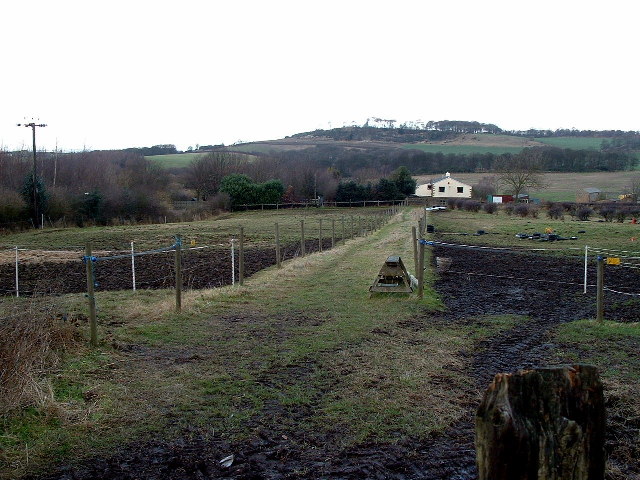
[483, 282]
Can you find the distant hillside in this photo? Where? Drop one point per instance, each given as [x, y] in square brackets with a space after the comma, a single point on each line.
[434, 146]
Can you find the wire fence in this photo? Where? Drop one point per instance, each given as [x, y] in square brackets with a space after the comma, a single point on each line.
[31, 271]
[618, 261]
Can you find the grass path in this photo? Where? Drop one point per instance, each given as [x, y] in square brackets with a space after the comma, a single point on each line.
[303, 349]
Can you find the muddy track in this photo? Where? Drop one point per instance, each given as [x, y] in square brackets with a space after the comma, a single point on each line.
[480, 282]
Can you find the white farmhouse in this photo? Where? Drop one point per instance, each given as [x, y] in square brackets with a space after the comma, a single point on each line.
[445, 187]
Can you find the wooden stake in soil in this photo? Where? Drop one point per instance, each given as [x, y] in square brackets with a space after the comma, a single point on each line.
[320, 235]
[278, 259]
[600, 291]
[17, 279]
[333, 233]
[178, 268]
[421, 270]
[547, 423]
[93, 325]
[241, 257]
[302, 252]
[414, 239]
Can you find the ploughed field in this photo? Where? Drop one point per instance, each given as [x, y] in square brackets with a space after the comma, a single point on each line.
[205, 268]
[480, 283]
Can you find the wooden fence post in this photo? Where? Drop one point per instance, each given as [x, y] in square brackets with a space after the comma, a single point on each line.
[93, 325]
[342, 238]
[544, 423]
[302, 246]
[178, 269]
[17, 275]
[421, 270]
[320, 235]
[600, 291]
[351, 227]
[278, 258]
[241, 257]
[333, 233]
[414, 239]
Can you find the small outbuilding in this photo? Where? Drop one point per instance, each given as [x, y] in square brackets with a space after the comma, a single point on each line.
[588, 195]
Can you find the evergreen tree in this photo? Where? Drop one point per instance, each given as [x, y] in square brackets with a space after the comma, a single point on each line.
[38, 201]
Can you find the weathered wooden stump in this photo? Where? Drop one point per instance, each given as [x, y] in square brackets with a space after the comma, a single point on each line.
[542, 424]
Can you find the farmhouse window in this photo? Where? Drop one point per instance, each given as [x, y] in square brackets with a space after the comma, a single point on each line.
[441, 189]
[460, 189]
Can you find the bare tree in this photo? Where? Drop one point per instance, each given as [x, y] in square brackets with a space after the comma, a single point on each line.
[519, 173]
[634, 186]
[205, 173]
[486, 186]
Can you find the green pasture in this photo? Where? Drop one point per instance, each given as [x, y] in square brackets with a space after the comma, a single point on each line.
[575, 143]
[461, 149]
[459, 226]
[259, 229]
[176, 160]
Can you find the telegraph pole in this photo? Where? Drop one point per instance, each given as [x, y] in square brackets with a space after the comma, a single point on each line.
[33, 126]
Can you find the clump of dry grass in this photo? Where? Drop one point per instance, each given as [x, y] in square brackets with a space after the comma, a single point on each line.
[31, 341]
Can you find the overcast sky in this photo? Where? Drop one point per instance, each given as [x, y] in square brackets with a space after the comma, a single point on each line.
[114, 74]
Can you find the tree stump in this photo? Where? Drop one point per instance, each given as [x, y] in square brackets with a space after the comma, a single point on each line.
[542, 424]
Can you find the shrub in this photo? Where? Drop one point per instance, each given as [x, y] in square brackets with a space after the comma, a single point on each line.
[472, 205]
[555, 211]
[508, 208]
[460, 203]
[490, 207]
[451, 203]
[583, 213]
[621, 214]
[522, 209]
[608, 212]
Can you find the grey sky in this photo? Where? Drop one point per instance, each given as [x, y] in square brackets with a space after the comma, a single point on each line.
[112, 74]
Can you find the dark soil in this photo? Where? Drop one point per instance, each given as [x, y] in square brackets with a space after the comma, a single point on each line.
[479, 282]
[200, 269]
